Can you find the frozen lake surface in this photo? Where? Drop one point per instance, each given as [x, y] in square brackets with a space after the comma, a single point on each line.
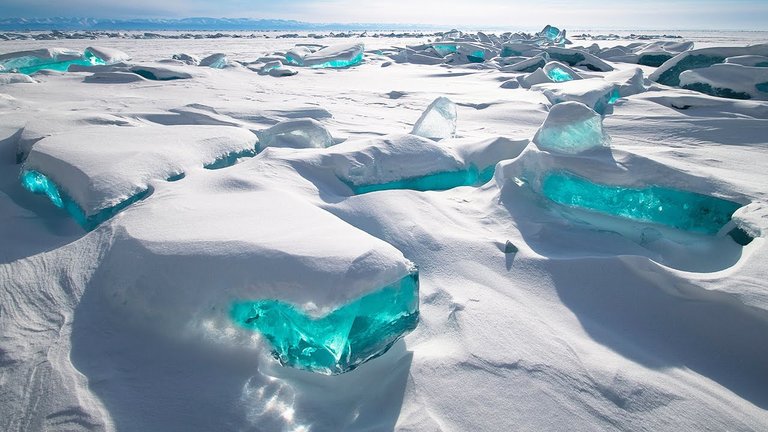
[618, 282]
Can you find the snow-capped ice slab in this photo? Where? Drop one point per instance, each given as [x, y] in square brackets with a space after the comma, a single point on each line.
[629, 81]
[575, 57]
[335, 56]
[669, 72]
[341, 340]
[438, 121]
[325, 295]
[571, 128]
[160, 73]
[296, 133]
[594, 93]
[97, 173]
[683, 210]
[728, 80]
[58, 59]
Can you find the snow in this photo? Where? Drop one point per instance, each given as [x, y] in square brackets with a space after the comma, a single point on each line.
[533, 314]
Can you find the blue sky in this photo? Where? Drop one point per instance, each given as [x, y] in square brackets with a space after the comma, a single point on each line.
[618, 14]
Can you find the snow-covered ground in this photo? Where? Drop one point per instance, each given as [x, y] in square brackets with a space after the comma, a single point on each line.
[582, 322]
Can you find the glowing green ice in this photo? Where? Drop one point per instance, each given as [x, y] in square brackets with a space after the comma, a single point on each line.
[614, 97]
[31, 64]
[230, 159]
[551, 33]
[341, 340]
[432, 182]
[340, 63]
[41, 184]
[445, 49]
[557, 74]
[678, 209]
[477, 56]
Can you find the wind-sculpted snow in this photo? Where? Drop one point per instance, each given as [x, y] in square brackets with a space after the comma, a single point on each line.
[335, 56]
[571, 128]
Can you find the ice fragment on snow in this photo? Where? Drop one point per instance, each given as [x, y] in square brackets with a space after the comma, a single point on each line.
[571, 128]
[438, 121]
[215, 61]
[295, 133]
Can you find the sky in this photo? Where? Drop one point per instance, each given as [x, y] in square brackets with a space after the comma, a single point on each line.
[605, 14]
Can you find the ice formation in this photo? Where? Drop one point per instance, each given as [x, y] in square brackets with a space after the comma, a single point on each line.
[344, 338]
[325, 305]
[728, 80]
[296, 133]
[99, 177]
[28, 62]
[558, 72]
[581, 58]
[679, 209]
[275, 68]
[160, 73]
[629, 81]
[748, 60]
[571, 128]
[594, 93]
[438, 121]
[471, 176]
[187, 59]
[215, 61]
[335, 56]
[669, 72]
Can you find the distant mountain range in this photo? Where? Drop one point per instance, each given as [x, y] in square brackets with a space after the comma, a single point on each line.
[206, 24]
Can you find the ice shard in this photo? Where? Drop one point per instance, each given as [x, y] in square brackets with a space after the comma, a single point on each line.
[215, 61]
[295, 133]
[571, 128]
[683, 210]
[438, 121]
[341, 340]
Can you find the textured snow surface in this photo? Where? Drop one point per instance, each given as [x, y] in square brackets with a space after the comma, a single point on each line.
[533, 315]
